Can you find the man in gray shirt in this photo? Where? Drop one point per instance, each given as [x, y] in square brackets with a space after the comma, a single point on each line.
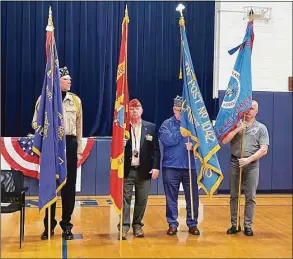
[256, 142]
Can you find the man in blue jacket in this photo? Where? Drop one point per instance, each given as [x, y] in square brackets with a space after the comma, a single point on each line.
[175, 170]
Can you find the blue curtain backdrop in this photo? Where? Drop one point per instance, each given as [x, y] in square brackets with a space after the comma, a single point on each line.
[88, 41]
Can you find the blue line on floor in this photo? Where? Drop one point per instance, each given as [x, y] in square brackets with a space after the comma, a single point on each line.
[64, 245]
[64, 249]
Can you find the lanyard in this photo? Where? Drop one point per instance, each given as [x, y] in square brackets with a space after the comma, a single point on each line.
[133, 131]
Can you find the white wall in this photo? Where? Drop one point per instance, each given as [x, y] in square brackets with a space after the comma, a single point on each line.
[272, 50]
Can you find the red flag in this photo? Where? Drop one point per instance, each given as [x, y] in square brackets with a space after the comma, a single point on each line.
[121, 122]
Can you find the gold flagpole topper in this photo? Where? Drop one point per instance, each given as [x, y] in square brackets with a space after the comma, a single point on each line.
[180, 9]
[50, 26]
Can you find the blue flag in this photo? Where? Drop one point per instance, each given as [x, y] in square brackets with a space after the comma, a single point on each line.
[196, 124]
[49, 139]
[238, 97]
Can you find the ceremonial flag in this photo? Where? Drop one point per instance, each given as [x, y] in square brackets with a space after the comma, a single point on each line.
[49, 139]
[196, 124]
[238, 97]
[121, 122]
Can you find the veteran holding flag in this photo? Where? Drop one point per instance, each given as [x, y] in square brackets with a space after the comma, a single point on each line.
[249, 139]
[57, 122]
[175, 165]
[256, 146]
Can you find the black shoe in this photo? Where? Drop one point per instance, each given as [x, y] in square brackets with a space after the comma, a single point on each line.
[124, 235]
[172, 231]
[194, 231]
[233, 230]
[67, 234]
[248, 232]
[45, 235]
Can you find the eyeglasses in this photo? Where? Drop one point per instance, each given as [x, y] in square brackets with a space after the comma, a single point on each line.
[177, 109]
[134, 108]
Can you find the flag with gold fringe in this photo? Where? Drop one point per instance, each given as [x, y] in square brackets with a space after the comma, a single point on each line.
[49, 138]
[121, 122]
[196, 124]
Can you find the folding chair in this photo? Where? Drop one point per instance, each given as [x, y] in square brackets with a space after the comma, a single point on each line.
[13, 196]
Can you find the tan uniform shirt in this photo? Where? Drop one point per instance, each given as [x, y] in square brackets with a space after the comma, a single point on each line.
[72, 112]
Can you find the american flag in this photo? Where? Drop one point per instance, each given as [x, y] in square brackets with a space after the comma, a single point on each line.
[26, 144]
[17, 154]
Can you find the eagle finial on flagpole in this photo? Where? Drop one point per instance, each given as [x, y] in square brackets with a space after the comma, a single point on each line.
[251, 15]
[180, 9]
[50, 26]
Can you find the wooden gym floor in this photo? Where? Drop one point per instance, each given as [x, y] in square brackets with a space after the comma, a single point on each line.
[95, 230]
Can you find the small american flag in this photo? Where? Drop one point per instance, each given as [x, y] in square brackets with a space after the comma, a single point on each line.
[18, 153]
[26, 144]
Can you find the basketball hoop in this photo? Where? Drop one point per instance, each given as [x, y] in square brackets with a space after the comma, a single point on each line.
[258, 13]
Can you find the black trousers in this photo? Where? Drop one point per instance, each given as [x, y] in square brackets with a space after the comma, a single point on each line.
[68, 190]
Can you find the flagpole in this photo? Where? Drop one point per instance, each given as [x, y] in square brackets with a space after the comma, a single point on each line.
[180, 9]
[240, 179]
[122, 203]
[121, 216]
[50, 27]
[190, 182]
[49, 223]
[180, 67]
[241, 155]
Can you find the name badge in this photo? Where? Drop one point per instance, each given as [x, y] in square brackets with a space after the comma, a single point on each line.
[149, 137]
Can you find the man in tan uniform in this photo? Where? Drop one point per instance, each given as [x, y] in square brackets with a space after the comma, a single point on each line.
[72, 110]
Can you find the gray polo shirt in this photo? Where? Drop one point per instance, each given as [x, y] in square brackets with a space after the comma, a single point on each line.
[255, 136]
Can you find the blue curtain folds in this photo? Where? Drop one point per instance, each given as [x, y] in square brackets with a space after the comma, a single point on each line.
[87, 37]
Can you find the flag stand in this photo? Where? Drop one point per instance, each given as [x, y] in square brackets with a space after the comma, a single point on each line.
[190, 182]
[240, 179]
[49, 223]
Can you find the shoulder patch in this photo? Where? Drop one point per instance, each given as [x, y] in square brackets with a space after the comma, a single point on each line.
[76, 101]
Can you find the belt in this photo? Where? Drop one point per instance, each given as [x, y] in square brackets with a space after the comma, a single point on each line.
[236, 157]
[70, 137]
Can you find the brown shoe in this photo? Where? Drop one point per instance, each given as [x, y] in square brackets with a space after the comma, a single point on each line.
[172, 231]
[138, 232]
[194, 231]
[124, 235]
